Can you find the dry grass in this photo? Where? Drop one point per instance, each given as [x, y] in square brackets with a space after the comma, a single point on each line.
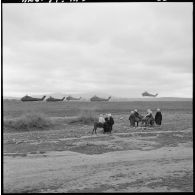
[86, 116]
[61, 109]
[28, 121]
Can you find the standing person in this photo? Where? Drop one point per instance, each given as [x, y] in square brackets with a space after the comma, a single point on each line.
[137, 116]
[106, 124]
[136, 113]
[111, 121]
[132, 119]
[101, 119]
[158, 117]
[102, 122]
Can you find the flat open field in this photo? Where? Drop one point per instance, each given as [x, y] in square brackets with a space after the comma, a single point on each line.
[67, 158]
[60, 109]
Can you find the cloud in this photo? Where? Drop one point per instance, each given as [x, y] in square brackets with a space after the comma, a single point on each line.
[116, 48]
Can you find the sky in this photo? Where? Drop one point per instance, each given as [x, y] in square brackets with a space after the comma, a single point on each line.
[120, 49]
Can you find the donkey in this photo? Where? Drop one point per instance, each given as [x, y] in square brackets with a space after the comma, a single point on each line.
[106, 126]
[139, 119]
[147, 122]
[144, 121]
[97, 125]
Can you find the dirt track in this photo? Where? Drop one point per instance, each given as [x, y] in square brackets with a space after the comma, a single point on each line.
[121, 162]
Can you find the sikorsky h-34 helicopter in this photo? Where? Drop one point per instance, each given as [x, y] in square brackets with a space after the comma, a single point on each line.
[149, 94]
[51, 99]
[98, 99]
[29, 98]
[72, 98]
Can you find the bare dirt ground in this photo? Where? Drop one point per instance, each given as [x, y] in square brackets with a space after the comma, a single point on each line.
[165, 169]
[158, 159]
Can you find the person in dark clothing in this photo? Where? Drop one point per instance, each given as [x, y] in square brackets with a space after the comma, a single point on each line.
[132, 119]
[106, 125]
[110, 121]
[158, 117]
[137, 117]
[136, 114]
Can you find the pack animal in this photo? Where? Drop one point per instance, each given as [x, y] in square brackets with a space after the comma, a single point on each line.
[139, 119]
[105, 126]
[97, 125]
[144, 121]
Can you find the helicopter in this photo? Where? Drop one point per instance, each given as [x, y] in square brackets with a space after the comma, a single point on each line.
[95, 98]
[29, 98]
[149, 94]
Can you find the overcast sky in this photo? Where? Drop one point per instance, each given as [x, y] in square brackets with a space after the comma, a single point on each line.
[121, 49]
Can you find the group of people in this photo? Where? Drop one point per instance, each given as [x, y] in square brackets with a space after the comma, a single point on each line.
[148, 119]
[107, 122]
